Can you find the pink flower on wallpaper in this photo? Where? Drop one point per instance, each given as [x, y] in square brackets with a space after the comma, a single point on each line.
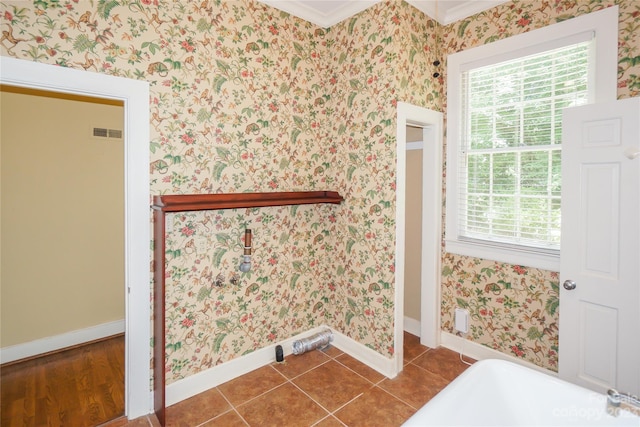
[519, 269]
[187, 139]
[187, 231]
[8, 16]
[188, 46]
[187, 322]
[517, 350]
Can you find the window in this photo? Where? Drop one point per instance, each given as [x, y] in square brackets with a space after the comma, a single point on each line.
[504, 136]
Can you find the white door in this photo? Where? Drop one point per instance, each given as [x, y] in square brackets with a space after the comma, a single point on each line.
[600, 257]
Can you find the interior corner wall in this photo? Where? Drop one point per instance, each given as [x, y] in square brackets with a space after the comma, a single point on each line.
[377, 58]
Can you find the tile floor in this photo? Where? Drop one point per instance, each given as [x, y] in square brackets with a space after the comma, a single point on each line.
[319, 388]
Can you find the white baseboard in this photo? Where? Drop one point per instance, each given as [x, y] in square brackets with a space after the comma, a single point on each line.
[57, 342]
[412, 326]
[480, 352]
[202, 381]
[364, 354]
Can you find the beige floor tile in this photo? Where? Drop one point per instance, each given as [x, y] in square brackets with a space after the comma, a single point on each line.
[332, 384]
[229, 419]
[412, 348]
[414, 385]
[331, 351]
[283, 406]
[250, 385]
[295, 365]
[375, 408]
[197, 409]
[330, 421]
[443, 362]
[360, 368]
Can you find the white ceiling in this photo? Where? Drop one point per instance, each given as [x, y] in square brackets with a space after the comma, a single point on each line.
[326, 13]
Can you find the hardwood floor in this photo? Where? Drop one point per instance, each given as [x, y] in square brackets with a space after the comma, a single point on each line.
[83, 387]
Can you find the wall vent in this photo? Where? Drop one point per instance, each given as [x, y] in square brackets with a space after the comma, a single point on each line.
[104, 133]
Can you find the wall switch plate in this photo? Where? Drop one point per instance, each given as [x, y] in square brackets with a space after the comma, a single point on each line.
[462, 320]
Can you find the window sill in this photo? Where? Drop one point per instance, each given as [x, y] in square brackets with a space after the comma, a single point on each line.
[509, 255]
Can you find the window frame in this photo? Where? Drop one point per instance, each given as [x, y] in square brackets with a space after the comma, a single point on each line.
[603, 25]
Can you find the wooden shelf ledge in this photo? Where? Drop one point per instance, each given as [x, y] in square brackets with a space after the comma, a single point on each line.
[199, 202]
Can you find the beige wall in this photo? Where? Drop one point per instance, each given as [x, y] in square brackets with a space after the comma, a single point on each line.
[62, 216]
[413, 244]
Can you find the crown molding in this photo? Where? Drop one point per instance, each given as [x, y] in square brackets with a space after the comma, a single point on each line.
[323, 13]
[449, 14]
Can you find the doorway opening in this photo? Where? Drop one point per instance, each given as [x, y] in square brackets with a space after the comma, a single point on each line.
[73, 303]
[135, 96]
[413, 231]
[431, 123]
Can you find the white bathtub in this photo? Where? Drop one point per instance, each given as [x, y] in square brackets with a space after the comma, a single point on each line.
[500, 393]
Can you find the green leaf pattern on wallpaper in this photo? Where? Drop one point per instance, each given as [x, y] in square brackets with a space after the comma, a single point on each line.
[246, 98]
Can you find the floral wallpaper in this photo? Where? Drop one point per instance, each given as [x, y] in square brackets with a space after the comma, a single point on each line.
[386, 57]
[247, 98]
[514, 309]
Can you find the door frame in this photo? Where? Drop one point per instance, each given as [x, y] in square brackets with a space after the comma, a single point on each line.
[432, 123]
[135, 96]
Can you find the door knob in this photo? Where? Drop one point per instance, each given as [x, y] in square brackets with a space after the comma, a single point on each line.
[569, 285]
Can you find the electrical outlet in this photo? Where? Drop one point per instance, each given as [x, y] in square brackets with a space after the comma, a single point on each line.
[462, 320]
[168, 223]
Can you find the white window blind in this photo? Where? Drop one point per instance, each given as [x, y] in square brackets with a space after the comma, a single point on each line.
[509, 174]
[504, 113]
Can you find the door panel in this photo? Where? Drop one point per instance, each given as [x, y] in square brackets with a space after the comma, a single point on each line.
[598, 345]
[600, 219]
[600, 317]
